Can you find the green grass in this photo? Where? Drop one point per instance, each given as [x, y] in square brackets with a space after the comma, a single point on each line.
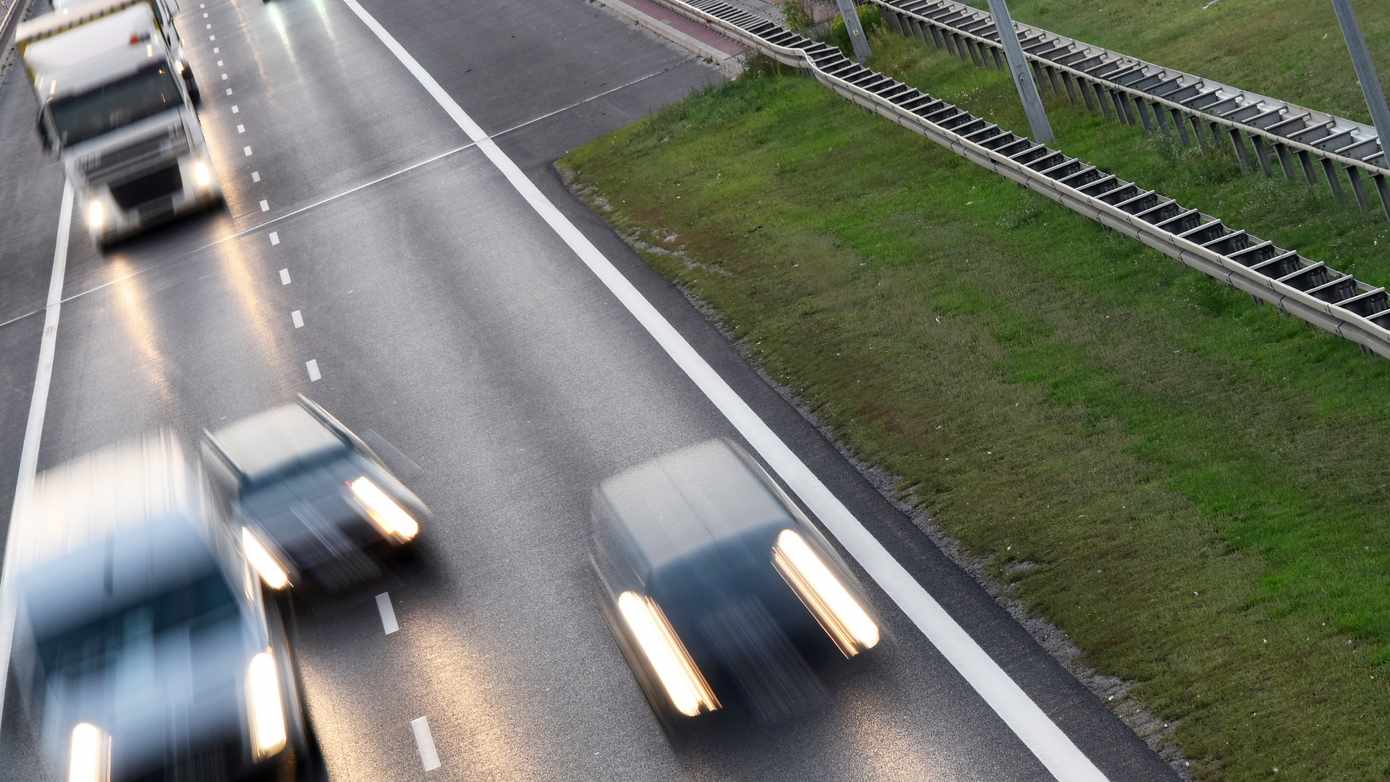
[1289, 49]
[1196, 482]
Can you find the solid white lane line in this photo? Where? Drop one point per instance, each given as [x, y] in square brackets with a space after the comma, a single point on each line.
[284, 276]
[297, 319]
[240, 128]
[424, 742]
[383, 603]
[265, 205]
[1034, 728]
[274, 238]
[236, 109]
[33, 432]
[246, 150]
[312, 365]
[255, 176]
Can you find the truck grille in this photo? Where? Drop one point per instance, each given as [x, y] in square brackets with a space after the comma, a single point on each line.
[142, 190]
[108, 164]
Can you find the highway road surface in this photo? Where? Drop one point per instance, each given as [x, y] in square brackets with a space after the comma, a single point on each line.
[396, 246]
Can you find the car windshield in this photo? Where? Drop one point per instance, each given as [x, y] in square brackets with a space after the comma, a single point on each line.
[207, 601]
[115, 104]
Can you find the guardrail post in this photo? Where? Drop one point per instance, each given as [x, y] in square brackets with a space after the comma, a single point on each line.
[855, 30]
[1365, 70]
[1023, 75]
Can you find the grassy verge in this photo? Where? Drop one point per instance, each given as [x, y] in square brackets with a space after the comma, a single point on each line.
[1187, 483]
[1289, 49]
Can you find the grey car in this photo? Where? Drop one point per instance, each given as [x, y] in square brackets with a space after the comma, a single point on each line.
[143, 648]
[721, 594]
[313, 501]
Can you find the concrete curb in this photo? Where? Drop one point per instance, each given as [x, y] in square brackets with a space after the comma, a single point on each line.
[731, 65]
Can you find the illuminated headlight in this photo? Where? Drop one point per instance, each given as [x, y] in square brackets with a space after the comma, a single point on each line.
[384, 513]
[264, 709]
[202, 174]
[96, 215]
[265, 563]
[844, 619]
[684, 685]
[89, 754]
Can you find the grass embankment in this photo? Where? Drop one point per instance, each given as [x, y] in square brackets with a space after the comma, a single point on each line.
[1189, 484]
[1289, 49]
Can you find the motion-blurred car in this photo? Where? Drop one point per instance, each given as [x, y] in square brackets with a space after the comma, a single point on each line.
[314, 502]
[718, 589]
[143, 648]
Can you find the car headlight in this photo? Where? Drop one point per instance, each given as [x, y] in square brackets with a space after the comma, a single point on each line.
[844, 619]
[384, 513]
[265, 563]
[89, 754]
[265, 711]
[679, 676]
[202, 174]
[96, 215]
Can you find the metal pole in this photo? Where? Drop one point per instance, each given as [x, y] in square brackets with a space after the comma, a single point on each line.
[856, 31]
[1365, 70]
[1023, 75]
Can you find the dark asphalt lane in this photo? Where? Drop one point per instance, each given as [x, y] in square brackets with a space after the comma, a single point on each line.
[445, 316]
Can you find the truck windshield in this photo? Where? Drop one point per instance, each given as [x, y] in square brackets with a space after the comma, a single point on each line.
[114, 104]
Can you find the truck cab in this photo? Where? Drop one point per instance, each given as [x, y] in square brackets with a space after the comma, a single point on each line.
[115, 107]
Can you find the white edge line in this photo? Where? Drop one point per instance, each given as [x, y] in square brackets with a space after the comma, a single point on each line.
[383, 604]
[424, 742]
[1049, 743]
[33, 432]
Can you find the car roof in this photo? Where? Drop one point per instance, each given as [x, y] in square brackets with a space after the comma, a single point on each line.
[682, 505]
[275, 441]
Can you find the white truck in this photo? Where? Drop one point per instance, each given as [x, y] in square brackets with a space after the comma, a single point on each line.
[116, 105]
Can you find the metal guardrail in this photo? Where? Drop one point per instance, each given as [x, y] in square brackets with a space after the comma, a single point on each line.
[1263, 131]
[1310, 290]
[9, 20]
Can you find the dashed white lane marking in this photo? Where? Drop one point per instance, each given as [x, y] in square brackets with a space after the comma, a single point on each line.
[297, 318]
[424, 742]
[274, 238]
[383, 601]
[224, 77]
[236, 109]
[240, 128]
[219, 63]
[284, 276]
[229, 90]
[246, 150]
[209, 24]
[995, 687]
[212, 37]
[313, 366]
[33, 429]
[255, 176]
[265, 205]
[215, 50]
[205, 15]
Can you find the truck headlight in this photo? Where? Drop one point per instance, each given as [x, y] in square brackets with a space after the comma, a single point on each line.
[679, 676]
[384, 513]
[265, 710]
[96, 215]
[265, 563]
[202, 174]
[824, 595]
[89, 754]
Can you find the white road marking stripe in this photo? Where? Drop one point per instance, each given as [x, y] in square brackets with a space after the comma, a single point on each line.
[246, 151]
[265, 205]
[33, 432]
[274, 238]
[1038, 732]
[212, 37]
[255, 176]
[209, 25]
[284, 276]
[425, 743]
[219, 63]
[224, 77]
[229, 90]
[236, 109]
[205, 15]
[215, 50]
[313, 366]
[240, 128]
[383, 601]
[297, 319]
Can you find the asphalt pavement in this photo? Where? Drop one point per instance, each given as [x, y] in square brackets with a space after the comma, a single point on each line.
[374, 258]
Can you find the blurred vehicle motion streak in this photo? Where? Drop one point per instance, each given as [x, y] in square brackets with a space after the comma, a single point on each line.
[721, 593]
